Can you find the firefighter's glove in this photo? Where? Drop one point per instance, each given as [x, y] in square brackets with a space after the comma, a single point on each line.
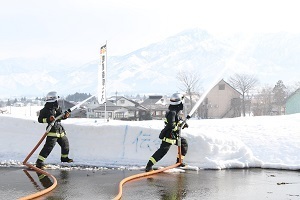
[51, 118]
[185, 126]
[174, 135]
[67, 114]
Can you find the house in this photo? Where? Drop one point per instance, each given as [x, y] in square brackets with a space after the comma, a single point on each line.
[157, 105]
[135, 111]
[80, 112]
[292, 104]
[125, 102]
[90, 106]
[223, 101]
[100, 111]
[122, 109]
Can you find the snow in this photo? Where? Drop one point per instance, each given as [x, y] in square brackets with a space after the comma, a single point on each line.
[263, 142]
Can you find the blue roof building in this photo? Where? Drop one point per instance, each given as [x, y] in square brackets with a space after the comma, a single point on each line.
[292, 104]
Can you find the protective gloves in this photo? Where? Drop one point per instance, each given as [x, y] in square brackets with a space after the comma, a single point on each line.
[51, 118]
[185, 126]
[67, 114]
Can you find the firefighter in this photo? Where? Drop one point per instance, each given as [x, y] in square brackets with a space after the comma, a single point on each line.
[45, 180]
[56, 134]
[169, 135]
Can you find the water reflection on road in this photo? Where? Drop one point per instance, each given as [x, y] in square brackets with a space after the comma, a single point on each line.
[204, 184]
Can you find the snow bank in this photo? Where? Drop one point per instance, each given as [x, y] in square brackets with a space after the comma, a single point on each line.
[266, 142]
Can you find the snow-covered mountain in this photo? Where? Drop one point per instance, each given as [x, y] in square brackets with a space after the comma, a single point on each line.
[153, 69]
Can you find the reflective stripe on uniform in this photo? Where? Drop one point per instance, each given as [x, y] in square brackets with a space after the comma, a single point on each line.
[168, 140]
[152, 160]
[41, 158]
[53, 134]
[165, 120]
[64, 155]
[44, 120]
[42, 176]
[176, 127]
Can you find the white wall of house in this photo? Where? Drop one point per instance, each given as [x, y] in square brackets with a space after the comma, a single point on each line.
[219, 99]
[124, 102]
[89, 108]
[101, 114]
[122, 113]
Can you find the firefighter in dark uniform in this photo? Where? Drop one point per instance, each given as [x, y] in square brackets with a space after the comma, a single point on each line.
[45, 180]
[56, 134]
[169, 135]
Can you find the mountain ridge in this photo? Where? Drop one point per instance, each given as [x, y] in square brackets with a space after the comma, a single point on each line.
[153, 69]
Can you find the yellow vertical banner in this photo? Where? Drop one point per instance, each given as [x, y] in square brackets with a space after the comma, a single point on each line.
[102, 76]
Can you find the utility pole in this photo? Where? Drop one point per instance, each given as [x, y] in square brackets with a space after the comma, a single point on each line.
[116, 98]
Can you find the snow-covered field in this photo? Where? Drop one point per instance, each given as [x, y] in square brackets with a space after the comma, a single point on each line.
[266, 142]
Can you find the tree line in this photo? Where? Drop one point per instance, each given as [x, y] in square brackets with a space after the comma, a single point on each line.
[267, 100]
[77, 97]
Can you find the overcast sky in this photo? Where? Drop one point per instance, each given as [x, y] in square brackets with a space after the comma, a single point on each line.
[75, 30]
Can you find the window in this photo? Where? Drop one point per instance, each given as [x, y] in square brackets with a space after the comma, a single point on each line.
[158, 113]
[98, 114]
[222, 87]
[119, 115]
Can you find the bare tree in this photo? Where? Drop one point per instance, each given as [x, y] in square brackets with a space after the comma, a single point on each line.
[263, 104]
[243, 83]
[190, 83]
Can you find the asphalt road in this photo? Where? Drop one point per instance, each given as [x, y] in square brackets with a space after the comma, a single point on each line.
[205, 184]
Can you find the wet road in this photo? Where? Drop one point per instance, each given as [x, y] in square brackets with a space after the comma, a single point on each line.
[204, 184]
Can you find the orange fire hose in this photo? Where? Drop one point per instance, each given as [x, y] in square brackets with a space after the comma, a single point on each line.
[45, 191]
[34, 149]
[40, 193]
[141, 175]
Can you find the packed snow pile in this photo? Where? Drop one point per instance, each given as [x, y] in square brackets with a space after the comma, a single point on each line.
[266, 142]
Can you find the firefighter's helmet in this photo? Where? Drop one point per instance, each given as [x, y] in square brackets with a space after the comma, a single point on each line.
[51, 97]
[176, 99]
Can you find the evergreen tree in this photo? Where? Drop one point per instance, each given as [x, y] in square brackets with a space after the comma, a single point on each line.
[280, 94]
[77, 97]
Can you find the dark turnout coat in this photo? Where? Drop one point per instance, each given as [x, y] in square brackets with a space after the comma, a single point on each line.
[45, 115]
[171, 125]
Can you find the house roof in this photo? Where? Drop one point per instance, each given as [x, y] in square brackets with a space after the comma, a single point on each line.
[156, 107]
[64, 104]
[155, 96]
[229, 86]
[115, 108]
[108, 103]
[151, 100]
[296, 92]
[135, 103]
